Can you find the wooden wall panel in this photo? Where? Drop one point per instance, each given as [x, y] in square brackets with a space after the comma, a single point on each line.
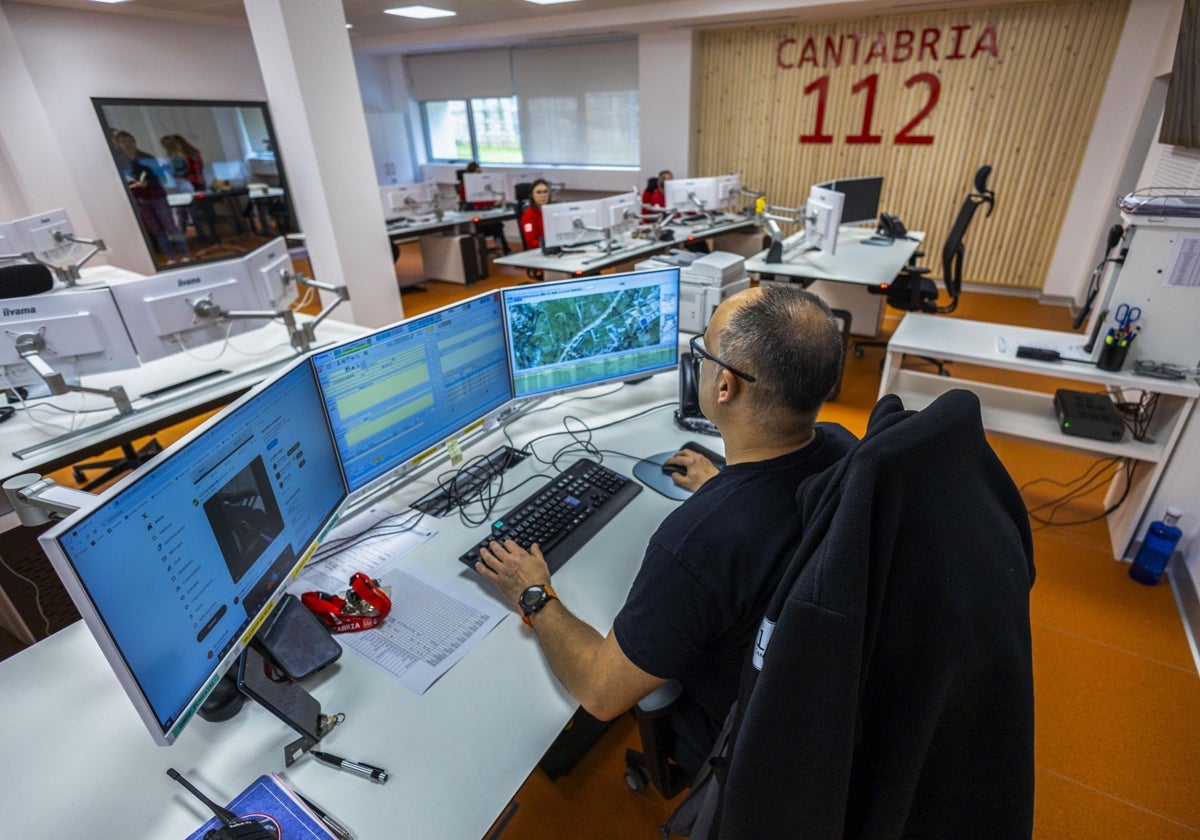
[1018, 88]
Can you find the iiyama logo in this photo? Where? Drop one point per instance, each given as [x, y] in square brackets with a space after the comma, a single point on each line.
[187, 281]
[22, 310]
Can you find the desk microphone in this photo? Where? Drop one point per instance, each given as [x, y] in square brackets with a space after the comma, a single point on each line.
[232, 826]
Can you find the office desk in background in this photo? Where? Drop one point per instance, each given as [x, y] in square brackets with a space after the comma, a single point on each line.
[833, 276]
[446, 254]
[594, 259]
[78, 758]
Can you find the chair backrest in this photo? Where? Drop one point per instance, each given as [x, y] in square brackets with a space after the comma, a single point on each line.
[953, 249]
[522, 193]
[23, 279]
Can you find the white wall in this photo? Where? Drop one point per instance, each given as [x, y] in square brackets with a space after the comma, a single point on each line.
[72, 56]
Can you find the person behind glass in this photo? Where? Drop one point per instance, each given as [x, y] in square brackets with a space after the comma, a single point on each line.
[532, 230]
[151, 199]
[484, 229]
[764, 366]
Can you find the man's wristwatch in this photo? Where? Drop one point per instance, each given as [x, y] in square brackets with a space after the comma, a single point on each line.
[533, 599]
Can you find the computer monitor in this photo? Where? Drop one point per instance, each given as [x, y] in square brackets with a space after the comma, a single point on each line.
[175, 567]
[393, 397]
[37, 235]
[484, 187]
[573, 223]
[160, 310]
[624, 210]
[12, 241]
[578, 333]
[407, 199]
[823, 215]
[80, 330]
[272, 276]
[692, 195]
[729, 191]
[861, 198]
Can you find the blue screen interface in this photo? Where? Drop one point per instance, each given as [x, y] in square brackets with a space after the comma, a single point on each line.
[180, 561]
[396, 393]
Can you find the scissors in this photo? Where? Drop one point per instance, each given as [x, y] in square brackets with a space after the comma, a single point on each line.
[1128, 315]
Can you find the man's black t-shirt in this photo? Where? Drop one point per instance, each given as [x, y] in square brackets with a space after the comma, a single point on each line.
[708, 572]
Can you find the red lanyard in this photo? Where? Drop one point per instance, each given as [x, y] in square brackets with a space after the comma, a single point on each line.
[366, 605]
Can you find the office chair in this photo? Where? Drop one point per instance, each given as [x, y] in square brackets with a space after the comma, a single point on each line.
[653, 765]
[890, 692]
[914, 291]
[130, 460]
[523, 193]
[22, 279]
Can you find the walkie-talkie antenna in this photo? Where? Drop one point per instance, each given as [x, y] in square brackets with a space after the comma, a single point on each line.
[223, 814]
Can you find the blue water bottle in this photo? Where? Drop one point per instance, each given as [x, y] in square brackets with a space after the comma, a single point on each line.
[1161, 538]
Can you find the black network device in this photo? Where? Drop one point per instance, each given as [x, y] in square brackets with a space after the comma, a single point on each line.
[1088, 415]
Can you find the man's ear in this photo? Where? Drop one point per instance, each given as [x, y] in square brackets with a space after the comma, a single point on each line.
[728, 386]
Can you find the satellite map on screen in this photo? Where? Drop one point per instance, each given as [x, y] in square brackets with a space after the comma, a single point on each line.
[584, 327]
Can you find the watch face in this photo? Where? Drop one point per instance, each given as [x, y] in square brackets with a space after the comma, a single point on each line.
[533, 596]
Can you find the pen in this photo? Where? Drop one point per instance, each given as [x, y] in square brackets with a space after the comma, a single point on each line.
[339, 830]
[375, 773]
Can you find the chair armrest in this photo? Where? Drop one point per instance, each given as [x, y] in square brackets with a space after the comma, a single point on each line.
[661, 697]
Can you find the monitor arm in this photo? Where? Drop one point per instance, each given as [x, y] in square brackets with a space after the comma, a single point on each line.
[302, 336]
[69, 274]
[30, 346]
[39, 500]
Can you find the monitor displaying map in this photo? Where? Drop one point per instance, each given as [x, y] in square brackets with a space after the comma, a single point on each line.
[583, 332]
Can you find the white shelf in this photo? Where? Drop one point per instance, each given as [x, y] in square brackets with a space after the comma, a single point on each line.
[1017, 413]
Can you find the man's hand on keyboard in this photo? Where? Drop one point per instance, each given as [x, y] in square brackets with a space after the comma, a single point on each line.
[512, 568]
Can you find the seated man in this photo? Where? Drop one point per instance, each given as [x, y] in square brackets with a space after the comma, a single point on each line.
[771, 356]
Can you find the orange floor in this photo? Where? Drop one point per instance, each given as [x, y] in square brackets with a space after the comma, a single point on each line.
[1117, 691]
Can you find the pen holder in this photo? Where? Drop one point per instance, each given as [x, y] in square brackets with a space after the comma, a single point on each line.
[1112, 356]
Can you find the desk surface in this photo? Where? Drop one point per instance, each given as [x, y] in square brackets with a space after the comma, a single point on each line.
[429, 223]
[79, 757]
[854, 261]
[593, 259]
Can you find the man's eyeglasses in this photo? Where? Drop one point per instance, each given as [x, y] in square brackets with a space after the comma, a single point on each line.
[699, 353]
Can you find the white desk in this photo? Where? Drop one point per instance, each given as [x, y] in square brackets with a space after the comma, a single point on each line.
[1029, 414]
[593, 259]
[76, 757]
[855, 263]
[423, 226]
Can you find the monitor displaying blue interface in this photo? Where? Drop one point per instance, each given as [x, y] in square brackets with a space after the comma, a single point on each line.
[583, 332]
[175, 567]
[399, 392]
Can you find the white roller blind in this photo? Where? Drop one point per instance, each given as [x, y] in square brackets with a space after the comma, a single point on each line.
[460, 75]
[570, 71]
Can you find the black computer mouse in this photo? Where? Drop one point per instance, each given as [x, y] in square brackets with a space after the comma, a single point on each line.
[673, 469]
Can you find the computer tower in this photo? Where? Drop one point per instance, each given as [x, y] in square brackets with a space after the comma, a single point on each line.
[453, 258]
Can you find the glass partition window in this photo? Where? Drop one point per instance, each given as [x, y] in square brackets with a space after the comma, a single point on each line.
[204, 179]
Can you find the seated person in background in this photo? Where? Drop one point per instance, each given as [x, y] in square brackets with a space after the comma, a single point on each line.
[771, 356]
[531, 220]
[484, 229]
[653, 194]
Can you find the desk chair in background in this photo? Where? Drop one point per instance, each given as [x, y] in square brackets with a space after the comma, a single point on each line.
[914, 291]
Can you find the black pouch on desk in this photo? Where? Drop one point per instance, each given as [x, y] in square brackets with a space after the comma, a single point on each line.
[297, 641]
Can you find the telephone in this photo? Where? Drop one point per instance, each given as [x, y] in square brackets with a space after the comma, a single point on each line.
[688, 415]
[891, 227]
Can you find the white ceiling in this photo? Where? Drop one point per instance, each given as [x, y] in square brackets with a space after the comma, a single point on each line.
[494, 22]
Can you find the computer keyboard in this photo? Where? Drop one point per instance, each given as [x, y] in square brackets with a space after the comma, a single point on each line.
[563, 515]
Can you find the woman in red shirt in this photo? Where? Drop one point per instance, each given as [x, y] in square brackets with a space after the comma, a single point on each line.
[531, 220]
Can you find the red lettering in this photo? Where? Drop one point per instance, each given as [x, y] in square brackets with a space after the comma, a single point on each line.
[821, 86]
[929, 39]
[878, 48]
[906, 137]
[986, 42]
[833, 54]
[856, 38]
[786, 42]
[808, 54]
[957, 52]
[869, 84]
[902, 45]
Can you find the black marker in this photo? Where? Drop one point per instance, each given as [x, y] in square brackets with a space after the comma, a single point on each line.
[375, 773]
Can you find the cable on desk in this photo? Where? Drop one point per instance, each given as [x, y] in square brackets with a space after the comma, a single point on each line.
[1138, 415]
[37, 592]
[528, 448]
[335, 547]
[1099, 473]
